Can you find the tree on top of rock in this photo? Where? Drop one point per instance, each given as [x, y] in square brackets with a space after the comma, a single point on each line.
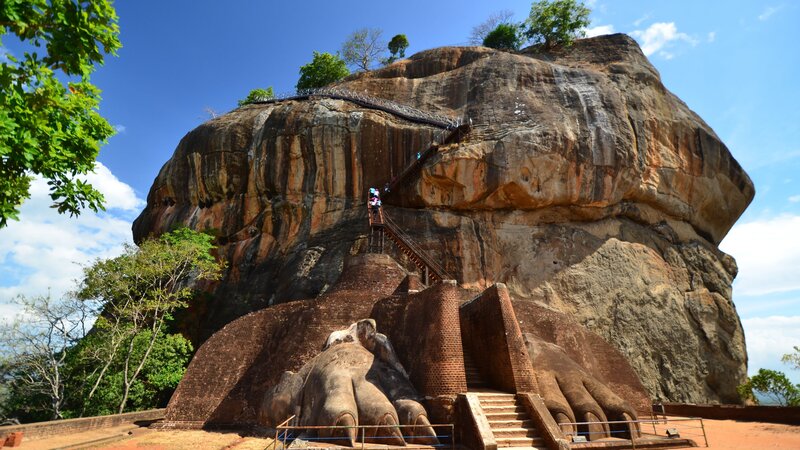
[479, 32]
[363, 48]
[323, 70]
[557, 22]
[505, 37]
[258, 95]
[397, 48]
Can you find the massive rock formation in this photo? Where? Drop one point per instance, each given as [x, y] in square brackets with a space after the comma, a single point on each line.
[584, 185]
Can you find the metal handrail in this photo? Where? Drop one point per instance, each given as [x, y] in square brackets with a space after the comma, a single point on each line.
[398, 109]
[664, 421]
[277, 430]
[363, 429]
[395, 230]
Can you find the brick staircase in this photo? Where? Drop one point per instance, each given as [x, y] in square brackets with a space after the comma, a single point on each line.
[509, 422]
[474, 377]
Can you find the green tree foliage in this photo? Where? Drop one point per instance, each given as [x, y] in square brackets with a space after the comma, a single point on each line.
[323, 70]
[504, 37]
[363, 48]
[793, 359]
[159, 377]
[258, 94]
[397, 48]
[773, 385]
[49, 128]
[479, 32]
[140, 290]
[557, 22]
[51, 367]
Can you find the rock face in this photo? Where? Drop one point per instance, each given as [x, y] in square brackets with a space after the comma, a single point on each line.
[584, 185]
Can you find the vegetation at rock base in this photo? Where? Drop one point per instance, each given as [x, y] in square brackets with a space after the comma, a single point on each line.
[324, 69]
[363, 48]
[773, 385]
[257, 94]
[48, 128]
[557, 22]
[35, 354]
[480, 31]
[504, 37]
[54, 367]
[793, 359]
[397, 47]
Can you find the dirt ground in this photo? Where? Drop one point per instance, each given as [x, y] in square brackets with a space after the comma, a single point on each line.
[732, 435]
[722, 435]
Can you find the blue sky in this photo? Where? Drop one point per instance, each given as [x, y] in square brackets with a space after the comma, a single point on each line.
[733, 62]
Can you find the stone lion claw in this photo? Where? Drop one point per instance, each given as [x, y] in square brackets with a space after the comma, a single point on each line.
[357, 380]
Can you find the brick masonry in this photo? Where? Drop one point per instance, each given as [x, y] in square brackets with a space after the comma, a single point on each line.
[490, 331]
[227, 379]
[789, 415]
[41, 430]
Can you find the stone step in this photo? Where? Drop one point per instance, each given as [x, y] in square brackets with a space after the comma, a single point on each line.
[519, 442]
[490, 416]
[511, 403]
[503, 408]
[495, 395]
[511, 423]
[542, 447]
[502, 433]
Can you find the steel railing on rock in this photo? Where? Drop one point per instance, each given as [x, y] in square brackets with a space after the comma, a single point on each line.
[369, 101]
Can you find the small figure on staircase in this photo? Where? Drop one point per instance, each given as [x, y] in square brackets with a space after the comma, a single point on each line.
[374, 203]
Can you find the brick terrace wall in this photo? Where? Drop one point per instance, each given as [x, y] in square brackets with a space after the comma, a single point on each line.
[491, 333]
[41, 430]
[425, 332]
[789, 415]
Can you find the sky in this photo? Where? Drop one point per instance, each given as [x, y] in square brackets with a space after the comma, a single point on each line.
[734, 62]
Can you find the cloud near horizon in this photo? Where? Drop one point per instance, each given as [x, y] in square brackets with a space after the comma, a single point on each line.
[661, 36]
[44, 251]
[769, 338]
[599, 30]
[768, 254]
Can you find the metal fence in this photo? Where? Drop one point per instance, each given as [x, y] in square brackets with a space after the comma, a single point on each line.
[369, 101]
[674, 427]
[285, 434]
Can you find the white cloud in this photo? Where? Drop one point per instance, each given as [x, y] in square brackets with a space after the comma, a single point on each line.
[44, 250]
[659, 36]
[768, 254]
[120, 128]
[641, 20]
[599, 30]
[794, 198]
[117, 194]
[712, 36]
[769, 338]
[768, 12]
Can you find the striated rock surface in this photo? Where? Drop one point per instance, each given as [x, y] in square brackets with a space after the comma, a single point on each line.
[584, 185]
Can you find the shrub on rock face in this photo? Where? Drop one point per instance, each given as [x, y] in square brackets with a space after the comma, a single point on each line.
[557, 22]
[504, 37]
[324, 69]
[257, 95]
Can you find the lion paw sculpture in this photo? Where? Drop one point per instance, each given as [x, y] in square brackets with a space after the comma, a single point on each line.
[356, 380]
